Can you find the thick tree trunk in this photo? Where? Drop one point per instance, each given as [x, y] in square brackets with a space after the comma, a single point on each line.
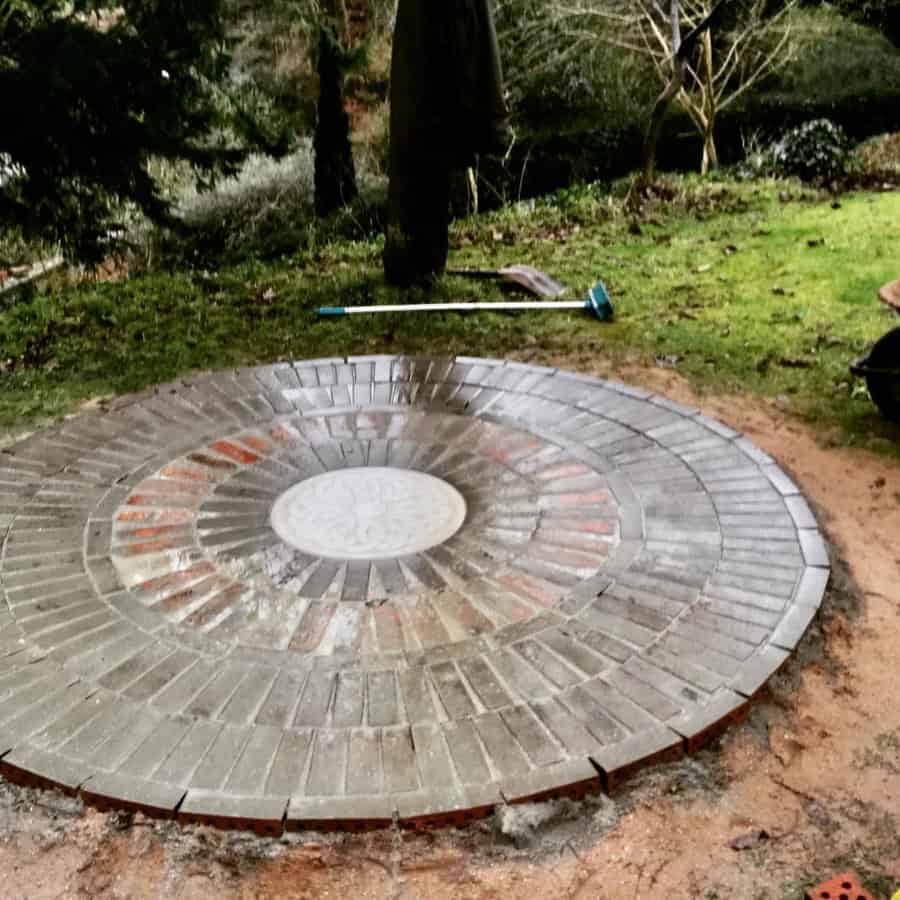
[447, 106]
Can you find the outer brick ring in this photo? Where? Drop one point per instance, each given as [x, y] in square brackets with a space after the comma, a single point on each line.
[629, 574]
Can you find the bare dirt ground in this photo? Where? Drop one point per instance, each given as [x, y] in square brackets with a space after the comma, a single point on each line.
[810, 785]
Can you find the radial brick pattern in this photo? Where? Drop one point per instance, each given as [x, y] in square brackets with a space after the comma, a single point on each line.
[482, 582]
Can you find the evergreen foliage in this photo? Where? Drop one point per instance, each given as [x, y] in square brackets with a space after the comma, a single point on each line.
[94, 90]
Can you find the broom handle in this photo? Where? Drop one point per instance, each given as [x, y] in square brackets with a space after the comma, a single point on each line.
[452, 307]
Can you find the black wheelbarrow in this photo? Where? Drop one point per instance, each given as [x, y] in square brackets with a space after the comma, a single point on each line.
[881, 368]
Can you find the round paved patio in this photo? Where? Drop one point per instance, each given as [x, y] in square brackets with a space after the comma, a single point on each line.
[347, 592]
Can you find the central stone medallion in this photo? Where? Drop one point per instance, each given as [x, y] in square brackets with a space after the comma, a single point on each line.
[368, 513]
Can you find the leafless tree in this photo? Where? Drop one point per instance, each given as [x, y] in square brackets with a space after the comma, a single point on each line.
[729, 61]
[730, 46]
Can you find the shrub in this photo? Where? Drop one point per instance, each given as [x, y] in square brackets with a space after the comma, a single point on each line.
[816, 151]
[880, 156]
[265, 211]
[842, 71]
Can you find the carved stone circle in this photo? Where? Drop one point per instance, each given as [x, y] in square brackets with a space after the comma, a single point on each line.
[368, 513]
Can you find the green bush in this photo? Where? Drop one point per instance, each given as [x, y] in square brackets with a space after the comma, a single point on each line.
[818, 150]
[265, 211]
[95, 89]
[842, 71]
[815, 151]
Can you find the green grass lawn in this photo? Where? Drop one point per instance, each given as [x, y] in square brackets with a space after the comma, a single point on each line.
[747, 287]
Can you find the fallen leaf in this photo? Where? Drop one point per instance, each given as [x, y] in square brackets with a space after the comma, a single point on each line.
[749, 841]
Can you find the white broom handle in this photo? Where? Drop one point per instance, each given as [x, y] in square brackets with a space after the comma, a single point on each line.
[451, 307]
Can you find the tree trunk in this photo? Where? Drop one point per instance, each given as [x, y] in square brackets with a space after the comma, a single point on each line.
[710, 155]
[447, 106]
[681, 49]
[335, 175]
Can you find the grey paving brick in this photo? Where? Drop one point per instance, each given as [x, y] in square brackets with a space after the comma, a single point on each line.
[507, 757]
[535, 740]
[262, 814]
[783, 484]
[620, 760]
[148, 745]
[179, 765]
[327, 773]
[216, 694]
[48, 767]
[465, 750]
[250, 774]
[812, 587]
[112, 790]
[701, 724]
[349, 699]
[761, 668]
[793, 626]
[573, 778]
[399, 760]
[364, 764]
[452, 691]
[220, 759]
[383, 707]
[815, 550]
[289, 763]
[318, 813]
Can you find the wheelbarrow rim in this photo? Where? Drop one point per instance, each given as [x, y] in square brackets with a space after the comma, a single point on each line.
[862, 369]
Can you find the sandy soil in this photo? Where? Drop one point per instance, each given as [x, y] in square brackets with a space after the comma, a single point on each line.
[816, 769]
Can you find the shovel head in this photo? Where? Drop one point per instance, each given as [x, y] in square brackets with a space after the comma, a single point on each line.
[533, 281]
[526, 277]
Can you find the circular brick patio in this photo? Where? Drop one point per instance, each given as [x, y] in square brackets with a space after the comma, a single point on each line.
[343, 592]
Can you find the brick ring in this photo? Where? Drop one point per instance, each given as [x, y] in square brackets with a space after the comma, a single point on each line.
[341, 593]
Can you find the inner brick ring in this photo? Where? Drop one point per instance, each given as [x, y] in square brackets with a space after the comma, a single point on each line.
[368, 513]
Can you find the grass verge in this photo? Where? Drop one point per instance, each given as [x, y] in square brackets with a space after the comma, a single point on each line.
[758, 287]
